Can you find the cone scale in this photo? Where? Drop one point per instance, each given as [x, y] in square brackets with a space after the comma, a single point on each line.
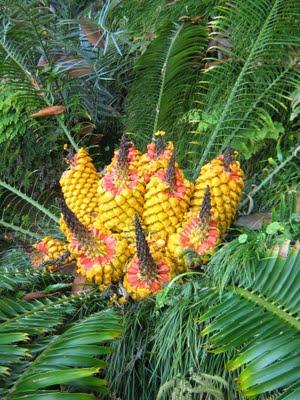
[101, 256]
[198, 233]
[79, 185]
[166, 200]
[52, 249]
[225, 178]
[157, 156]
[121, 192]
[146, 273]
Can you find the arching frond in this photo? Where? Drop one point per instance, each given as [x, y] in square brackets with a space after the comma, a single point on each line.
[15, 71]
[145, 18]
[22, 319]
[17, 274]
[73, 359]
[165, 74]
[29, 218]
[262, 322]
[259, 71]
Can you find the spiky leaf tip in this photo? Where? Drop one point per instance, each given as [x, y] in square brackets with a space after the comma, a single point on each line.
[159, 143]
[78, 230]
[148, 267]
[122, 163]
[170, 177]
[205, 210]
[228, 157]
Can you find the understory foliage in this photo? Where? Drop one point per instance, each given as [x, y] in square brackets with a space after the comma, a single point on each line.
[193, 329]
[210, 73]
[199, 335]
[50, 344]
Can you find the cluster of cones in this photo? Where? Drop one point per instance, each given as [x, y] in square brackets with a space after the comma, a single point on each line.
[135, 224]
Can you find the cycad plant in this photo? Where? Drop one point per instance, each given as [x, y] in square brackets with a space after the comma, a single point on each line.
[246, 332]
[68, 70]
[261, 321]
[51, 345]
[210, 75]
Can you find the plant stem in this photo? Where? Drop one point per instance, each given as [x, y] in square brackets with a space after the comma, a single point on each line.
[238, 84]
[30, 76]
[19, 229]
[163, 73]
[30, 201]
[270, 176]
[67, 132]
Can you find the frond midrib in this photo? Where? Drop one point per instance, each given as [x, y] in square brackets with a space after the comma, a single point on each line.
[29, 200]
[28, 313]
[234, 90]
[269, 306]
[163, 78]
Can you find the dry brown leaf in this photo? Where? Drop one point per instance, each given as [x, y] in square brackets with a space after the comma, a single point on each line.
[34, 296]
[49, 111]
[78, 283]
[197, 19]
[68, 268]
[149, 36]
[80, 72]
[36, 258]
[81, 67]
[284, 249]
[184, 18]
[212, 64]
[42, 62]
[34, 83]
[92, 32]
[86, 130]
[254, 221]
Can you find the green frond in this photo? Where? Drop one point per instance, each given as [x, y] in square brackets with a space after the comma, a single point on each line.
[293, 154]
[13, 71]
[160, 343]
[29, 327]
[30, 200]
[262, 321]
[54, 395]
[13, 65]
[141, 18]
[21, 319]
[260, 72]
[73, 358]
[19, 230]
[165, 74]
[14, 278]
[29, 218]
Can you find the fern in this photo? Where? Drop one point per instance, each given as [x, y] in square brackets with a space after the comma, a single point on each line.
[11, 120]
[183, 388]
[261, 321]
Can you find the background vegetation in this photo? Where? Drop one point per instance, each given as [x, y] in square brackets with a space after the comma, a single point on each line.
[210, 73]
